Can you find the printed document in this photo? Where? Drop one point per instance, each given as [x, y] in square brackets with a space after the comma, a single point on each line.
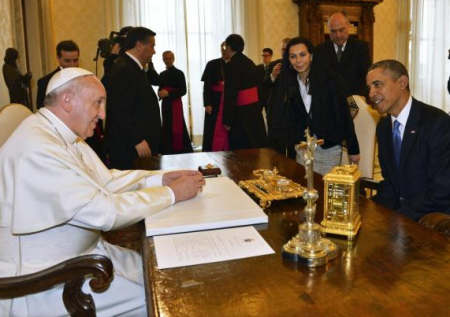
[209, 246]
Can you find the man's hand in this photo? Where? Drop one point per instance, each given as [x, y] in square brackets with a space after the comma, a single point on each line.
[143, 149]
[354, 158]
[187, 187]
[115, 49]
[163, 93]
[170, 177]
[227, 127]
[276, 71]
[208, 109]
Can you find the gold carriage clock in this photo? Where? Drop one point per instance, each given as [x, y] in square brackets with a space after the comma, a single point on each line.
[341, 212]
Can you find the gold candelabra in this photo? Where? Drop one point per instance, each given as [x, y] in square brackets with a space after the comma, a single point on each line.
[308, 247]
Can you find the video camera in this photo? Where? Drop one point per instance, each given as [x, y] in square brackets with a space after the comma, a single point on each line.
[105, 45]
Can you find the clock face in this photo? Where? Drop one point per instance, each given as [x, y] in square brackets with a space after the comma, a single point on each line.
[338, 203]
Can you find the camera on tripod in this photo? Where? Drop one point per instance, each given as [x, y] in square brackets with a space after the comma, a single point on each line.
[105, 45]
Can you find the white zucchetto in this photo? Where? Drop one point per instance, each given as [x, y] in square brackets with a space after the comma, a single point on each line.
[64, 76]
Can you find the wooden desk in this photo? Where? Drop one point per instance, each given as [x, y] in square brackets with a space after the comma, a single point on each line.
[396, 267]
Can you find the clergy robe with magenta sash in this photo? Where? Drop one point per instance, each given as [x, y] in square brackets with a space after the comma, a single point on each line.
[56, 196]
[212, 96]
[175, 137]
[242, 111]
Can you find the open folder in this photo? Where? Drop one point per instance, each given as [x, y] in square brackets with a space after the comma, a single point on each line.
[221, 204]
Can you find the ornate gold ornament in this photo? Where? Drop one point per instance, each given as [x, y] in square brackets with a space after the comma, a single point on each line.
[341, 201]
[271, 186]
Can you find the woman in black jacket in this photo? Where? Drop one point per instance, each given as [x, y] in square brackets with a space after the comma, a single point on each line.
[306, 95]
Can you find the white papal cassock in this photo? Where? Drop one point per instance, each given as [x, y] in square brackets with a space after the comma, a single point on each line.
[55, 196]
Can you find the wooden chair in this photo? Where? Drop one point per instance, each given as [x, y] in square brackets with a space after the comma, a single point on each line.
[10, 117]
[365, 127]
[72, 273]
[437, 221]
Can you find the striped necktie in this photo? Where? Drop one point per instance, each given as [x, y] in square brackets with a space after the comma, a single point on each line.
[339, 53]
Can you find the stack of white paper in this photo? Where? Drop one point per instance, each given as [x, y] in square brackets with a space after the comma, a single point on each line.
[222, 204]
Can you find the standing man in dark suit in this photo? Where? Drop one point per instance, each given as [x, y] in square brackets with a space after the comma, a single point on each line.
[133, 120]
[262, 71]
[68, 55]
[413, 145]
[345, 55]
[242, 116]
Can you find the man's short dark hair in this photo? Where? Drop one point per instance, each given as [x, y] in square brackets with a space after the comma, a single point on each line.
[267, 50]
[236, 42]
[396, 68]
[138, 34]
[67, 46]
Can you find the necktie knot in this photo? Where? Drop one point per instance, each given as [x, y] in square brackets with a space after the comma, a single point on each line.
[397, 125]
[397, 141]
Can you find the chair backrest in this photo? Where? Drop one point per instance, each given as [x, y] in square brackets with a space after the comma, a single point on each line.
[365, 126]
[10, 117]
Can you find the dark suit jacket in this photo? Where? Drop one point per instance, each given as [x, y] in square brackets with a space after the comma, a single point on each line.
[42, 87]
[261, 73]
[132, 111]
[421, 184]
[355, 62]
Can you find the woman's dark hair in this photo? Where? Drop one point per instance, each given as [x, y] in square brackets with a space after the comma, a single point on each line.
[289, 75]
[292, 42]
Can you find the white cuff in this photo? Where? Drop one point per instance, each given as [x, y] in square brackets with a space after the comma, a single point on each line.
[157, 180]
[171, 194]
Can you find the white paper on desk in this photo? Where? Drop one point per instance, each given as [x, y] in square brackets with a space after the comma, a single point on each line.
[221, 204]
[209, 246]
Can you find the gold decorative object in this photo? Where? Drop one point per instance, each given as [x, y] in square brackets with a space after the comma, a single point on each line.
[308, 247]
[271, 186]
[341, 214]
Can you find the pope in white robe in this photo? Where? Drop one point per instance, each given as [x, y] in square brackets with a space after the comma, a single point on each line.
[55, 197]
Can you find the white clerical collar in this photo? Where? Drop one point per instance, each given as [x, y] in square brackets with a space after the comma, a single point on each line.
[68, 135]
[135, 59]
[404, 114]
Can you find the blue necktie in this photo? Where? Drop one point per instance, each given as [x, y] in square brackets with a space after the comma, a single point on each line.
[397, 141]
